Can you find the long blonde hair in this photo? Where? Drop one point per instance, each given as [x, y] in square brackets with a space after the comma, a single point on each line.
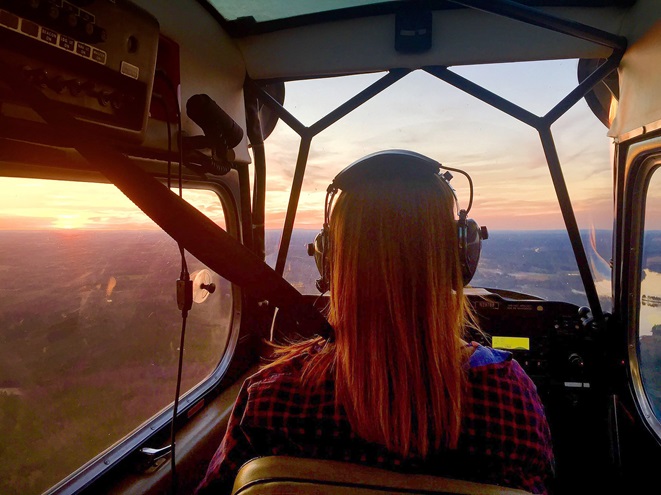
[398, 311]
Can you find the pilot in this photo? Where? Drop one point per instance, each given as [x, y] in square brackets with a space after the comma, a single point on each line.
[395, 385]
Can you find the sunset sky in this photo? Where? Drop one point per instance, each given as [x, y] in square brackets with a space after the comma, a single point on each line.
[513, 188]
[40, 204]
[504, 157]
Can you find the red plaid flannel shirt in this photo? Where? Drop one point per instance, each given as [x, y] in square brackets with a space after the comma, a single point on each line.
[505, 438]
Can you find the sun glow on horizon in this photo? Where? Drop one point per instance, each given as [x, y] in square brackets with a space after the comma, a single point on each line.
[69, 222]
[40, 204]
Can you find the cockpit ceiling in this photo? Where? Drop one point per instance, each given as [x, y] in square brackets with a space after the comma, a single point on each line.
[332, 44]
[249, 17]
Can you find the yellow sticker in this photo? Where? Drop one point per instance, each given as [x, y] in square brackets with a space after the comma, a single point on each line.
[511, 343]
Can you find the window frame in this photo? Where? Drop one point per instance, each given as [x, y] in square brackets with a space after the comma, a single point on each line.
[157, 428]
[642, 160]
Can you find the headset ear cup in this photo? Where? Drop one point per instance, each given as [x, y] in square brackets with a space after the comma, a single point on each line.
[321, 245]
[471, 250]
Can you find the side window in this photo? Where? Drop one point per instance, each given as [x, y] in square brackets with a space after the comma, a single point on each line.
[89, 325]
[649, 330]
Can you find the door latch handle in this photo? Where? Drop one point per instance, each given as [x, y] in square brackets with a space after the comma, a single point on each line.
[151, 459]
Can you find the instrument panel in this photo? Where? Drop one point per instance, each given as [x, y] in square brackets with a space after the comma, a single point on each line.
[547, 338]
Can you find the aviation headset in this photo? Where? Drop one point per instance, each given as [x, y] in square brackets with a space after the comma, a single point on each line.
[393, 164]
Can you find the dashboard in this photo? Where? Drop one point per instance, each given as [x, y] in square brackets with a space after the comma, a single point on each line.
[548, 338]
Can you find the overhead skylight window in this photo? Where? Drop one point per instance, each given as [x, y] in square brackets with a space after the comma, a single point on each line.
[264, 11]
[249, 17]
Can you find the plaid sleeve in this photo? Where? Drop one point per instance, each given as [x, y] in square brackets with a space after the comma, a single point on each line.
[506, 427]
[539, 466]
[233, 452]
[528, 454]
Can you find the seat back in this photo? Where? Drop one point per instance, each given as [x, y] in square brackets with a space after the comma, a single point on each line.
[294, 476]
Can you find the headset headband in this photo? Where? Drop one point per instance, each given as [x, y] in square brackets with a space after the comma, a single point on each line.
[388, 166]
[385, 166]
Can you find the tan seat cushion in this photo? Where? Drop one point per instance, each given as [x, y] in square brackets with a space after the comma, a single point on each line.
[294, 476]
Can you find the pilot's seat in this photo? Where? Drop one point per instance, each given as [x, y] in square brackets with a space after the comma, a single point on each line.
[294, 476]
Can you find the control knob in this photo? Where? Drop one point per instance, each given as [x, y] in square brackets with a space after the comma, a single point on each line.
[576, 361]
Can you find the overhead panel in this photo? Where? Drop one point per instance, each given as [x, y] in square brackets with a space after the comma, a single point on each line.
[96, 61]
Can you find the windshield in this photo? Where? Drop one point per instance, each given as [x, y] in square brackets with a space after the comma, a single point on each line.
[528, 249]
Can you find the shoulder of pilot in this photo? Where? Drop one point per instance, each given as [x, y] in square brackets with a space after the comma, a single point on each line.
[496, 366]
[485, 359]
[277, 390]
[290, 369]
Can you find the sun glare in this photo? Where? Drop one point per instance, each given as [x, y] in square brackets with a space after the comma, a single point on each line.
[69, 222]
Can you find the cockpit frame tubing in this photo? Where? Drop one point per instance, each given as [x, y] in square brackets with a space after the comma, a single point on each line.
[543, 124]
[543, 127]
[307, 134]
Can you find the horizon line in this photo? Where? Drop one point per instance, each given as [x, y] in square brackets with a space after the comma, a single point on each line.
[279, 229]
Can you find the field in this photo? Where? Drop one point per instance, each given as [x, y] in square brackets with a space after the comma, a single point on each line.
[89, 345]
[540, 263]
[89, 330]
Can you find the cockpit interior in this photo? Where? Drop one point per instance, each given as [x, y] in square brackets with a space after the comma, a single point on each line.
[163, 173]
